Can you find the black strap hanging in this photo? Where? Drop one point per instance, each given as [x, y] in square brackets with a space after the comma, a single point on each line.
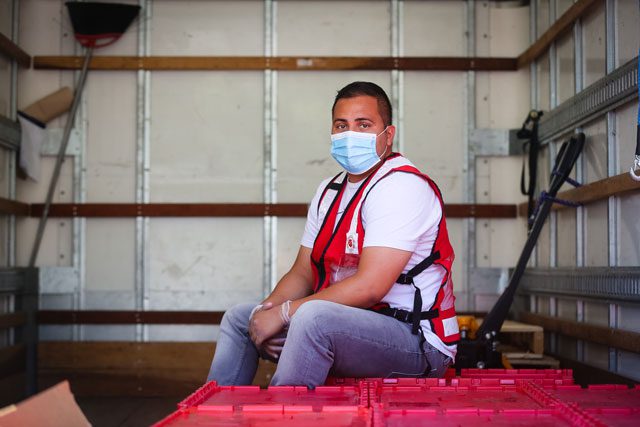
[529, 132]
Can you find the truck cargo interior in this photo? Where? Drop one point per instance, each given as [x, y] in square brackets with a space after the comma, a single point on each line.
[187, 178]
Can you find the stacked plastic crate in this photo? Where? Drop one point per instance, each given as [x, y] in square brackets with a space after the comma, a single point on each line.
[503, 397]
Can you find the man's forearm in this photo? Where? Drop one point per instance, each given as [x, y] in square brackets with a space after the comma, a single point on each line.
[292, 286]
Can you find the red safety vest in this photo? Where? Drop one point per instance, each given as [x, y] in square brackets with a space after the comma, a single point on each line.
[338, 246]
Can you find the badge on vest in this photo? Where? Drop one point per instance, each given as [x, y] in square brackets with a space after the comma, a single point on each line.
[351, 246]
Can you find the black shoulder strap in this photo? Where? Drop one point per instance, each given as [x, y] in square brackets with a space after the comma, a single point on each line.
[407, 278]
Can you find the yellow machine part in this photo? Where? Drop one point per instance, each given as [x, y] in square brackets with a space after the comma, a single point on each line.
[468, 326]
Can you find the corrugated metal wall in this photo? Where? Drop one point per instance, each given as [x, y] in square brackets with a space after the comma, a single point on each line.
[604, 233]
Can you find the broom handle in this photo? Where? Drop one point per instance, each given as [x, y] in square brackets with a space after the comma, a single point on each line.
[60, 159]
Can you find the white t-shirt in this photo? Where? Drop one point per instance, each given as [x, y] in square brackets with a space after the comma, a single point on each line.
[400, 212]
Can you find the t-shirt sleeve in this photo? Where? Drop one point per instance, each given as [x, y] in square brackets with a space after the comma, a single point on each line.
[311, 227]
[399, 211]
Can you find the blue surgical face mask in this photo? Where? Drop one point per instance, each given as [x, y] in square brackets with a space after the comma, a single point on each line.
[356, 151]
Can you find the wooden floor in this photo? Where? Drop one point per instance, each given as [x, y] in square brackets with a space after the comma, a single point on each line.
[129, 412]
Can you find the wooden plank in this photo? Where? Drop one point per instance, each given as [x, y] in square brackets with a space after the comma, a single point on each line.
[12, 389]
[12, 359]
[117, 210]
[290, 63]
[126, 317]
[562, 25]
[523, 335]
[13, 207]
[13, 51]
[600, 190]
[616, 338]
[130, 368]
[12, 320]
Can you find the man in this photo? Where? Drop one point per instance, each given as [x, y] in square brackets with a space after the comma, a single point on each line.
[370, 292]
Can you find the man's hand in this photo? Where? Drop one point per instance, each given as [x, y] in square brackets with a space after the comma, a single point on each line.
[265, 324]
[273, 346]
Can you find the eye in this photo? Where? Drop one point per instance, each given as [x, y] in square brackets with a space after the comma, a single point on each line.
[339, 126]
[364, 126]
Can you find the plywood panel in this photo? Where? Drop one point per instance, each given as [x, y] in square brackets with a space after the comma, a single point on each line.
[5, 17]
[508, 112]
[595, 151]
[594, 44]
[5, 86]
[111, 137]
[435, 128]
[629, 229]
[206, 137]
[333, 28]
[110, 254]
[596, 235]
[509, 30]
[543, 16]
[217, 28]
[562, 6]
[289, 234]
[566, 238]
[628, 364]
[566, 68]
[456, 229]
[304, 129]
[567, 309]
[596, 313]
[211, 263]
[542, 66]
[434, 28]
[626, 131]
[629, 317]
[543, 307]
[627, 18]
[596, 355]
[567, 347]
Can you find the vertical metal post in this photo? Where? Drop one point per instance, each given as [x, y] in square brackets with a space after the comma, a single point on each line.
[580, 175]
[469, 166]
[553, 101]
[580, 318]
[143, 142]
[533, 84]
[270, 229]
[612, 168]
[13, 110]
[397, 76]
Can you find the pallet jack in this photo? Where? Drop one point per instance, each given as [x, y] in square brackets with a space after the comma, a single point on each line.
[478, 345]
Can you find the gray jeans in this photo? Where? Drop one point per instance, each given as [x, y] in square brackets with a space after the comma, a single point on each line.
[325, 338]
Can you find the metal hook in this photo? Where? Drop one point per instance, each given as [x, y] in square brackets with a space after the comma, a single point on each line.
[635, 168]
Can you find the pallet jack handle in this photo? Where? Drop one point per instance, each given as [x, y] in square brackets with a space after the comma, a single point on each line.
[566, 158]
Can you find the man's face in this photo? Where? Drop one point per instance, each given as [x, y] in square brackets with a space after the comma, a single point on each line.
[360, 114]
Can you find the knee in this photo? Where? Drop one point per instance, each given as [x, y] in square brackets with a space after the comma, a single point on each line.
[315, 312]
[236, 316]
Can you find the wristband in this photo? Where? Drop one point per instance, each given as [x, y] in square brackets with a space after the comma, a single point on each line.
[284, 312]
[255, 310]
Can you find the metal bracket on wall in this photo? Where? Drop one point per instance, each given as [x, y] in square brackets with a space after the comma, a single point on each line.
[608, 93]
[495, 142]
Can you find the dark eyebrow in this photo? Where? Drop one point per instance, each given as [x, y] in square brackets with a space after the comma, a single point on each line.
[361, 119]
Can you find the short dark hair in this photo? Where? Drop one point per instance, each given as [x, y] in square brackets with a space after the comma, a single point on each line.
[367, 89]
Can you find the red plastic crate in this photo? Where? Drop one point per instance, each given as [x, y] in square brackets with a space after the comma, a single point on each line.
[616, 417]
[605, 396]
[523, 374]
[269, 415]
[211, 396]
[509, 418]
[448, 398]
